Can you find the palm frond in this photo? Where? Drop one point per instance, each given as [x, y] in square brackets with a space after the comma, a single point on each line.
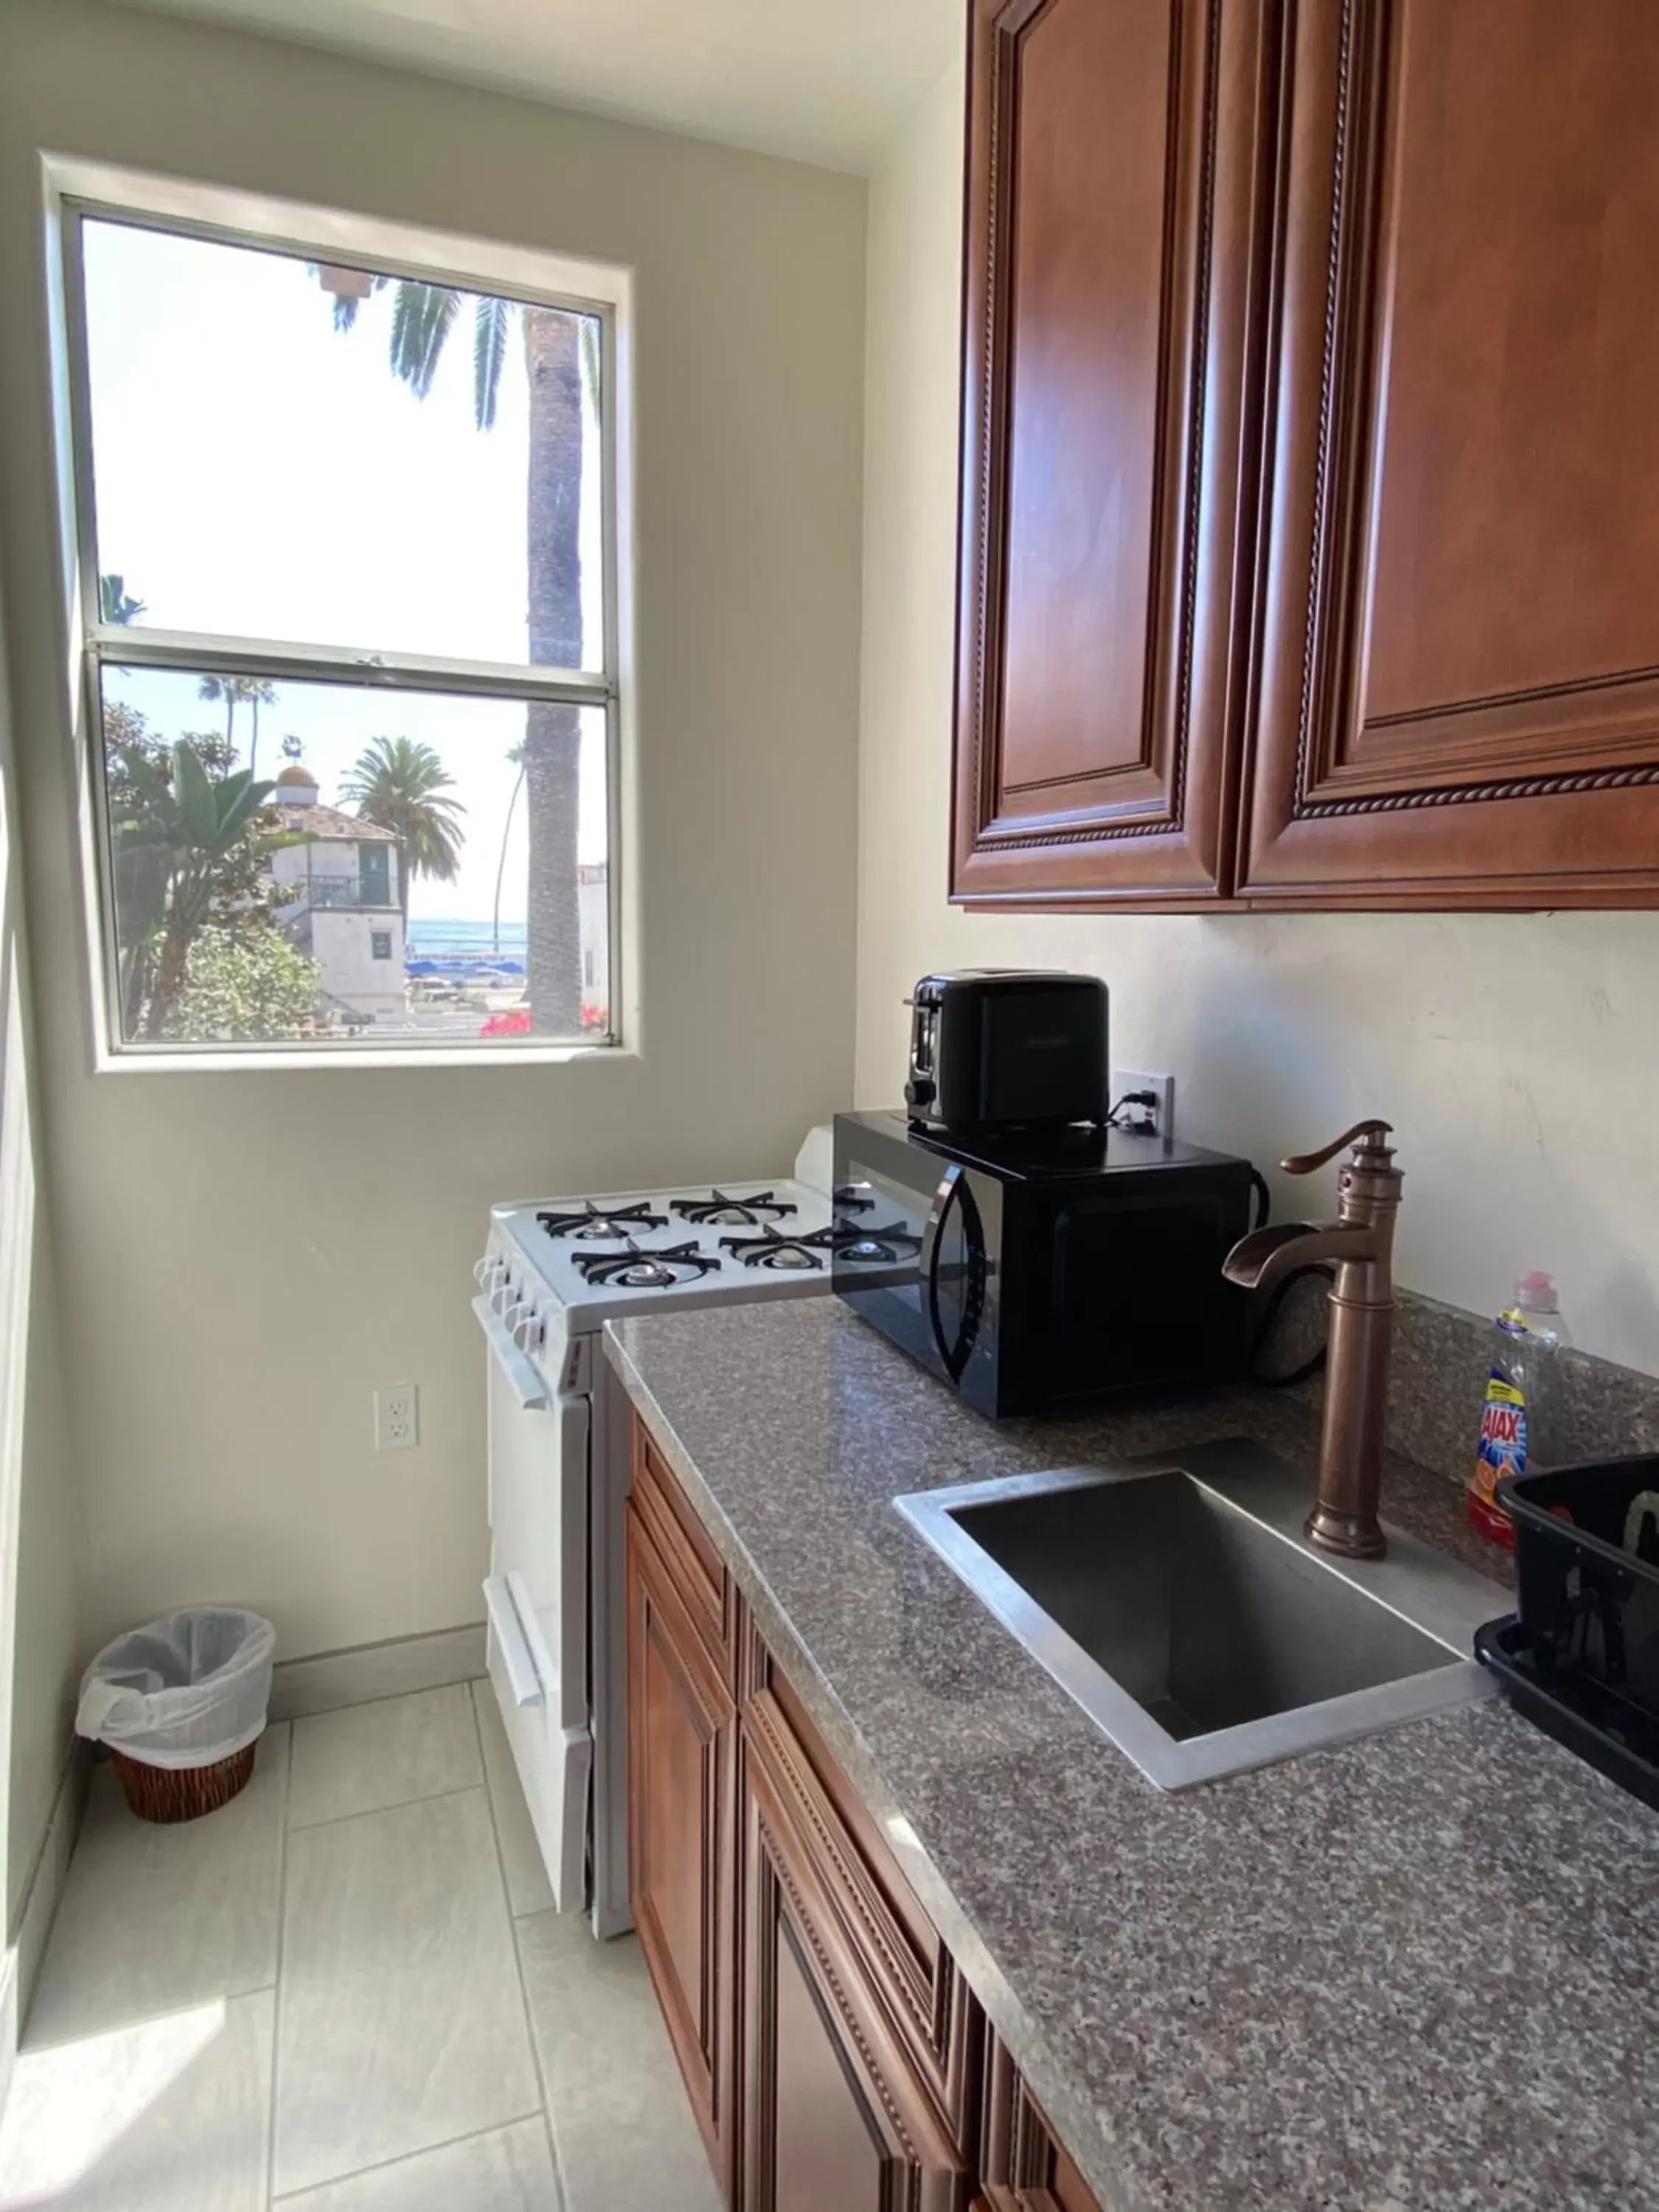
[421, 316]
[490, 322]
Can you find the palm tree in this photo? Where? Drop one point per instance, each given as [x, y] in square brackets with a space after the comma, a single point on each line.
[115, 604]
[188, 825]
[515, 754]
[256, 691]
[399, 785]
[562, 355]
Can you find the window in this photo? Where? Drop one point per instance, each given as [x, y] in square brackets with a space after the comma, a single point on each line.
[347, 548]
[374, 874]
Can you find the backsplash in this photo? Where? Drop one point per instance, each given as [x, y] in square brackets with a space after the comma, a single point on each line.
[1437, 1374]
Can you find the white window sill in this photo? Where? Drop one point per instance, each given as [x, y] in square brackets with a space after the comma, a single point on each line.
[390, 1059]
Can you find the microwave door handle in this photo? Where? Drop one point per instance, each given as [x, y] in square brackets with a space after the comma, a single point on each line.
[950, 1191]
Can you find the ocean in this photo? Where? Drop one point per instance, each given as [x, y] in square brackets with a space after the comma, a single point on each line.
[430, 940]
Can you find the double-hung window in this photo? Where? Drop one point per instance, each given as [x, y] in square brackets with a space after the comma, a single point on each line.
[347, 520]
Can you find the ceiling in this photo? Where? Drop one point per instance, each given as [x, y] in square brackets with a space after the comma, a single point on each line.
[824, 81]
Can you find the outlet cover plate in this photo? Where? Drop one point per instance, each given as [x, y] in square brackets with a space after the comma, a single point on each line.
[397, 1417]
[1159, 1119]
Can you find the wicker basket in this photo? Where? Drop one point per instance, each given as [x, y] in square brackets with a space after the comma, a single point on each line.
[182, 1793]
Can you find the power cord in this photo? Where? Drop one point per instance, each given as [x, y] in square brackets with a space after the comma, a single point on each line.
[1147, 1126]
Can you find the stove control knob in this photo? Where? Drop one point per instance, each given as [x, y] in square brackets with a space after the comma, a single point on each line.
[506, 1293]
[529, 1330]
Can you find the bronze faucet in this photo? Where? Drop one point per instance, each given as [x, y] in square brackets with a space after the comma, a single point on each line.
[1361, 1242]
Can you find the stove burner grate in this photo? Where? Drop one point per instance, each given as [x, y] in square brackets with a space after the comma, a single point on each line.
[798, 1254]
[734, 1213]
[635, 1268]
[596, 1222]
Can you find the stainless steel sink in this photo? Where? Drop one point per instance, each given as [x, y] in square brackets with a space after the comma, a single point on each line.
[1180, 1604]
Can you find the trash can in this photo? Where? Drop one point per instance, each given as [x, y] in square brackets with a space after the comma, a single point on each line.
[181, 1705]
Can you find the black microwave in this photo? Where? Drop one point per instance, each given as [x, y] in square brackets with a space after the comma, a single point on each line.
[1045, 1271]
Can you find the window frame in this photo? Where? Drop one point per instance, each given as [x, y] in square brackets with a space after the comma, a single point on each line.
[77, 192]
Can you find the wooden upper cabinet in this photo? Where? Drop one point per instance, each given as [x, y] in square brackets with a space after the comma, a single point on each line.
[1113, 171]
[1459, 589]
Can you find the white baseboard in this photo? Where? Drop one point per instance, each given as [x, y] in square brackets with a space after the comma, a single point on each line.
[21, 1967]
[357, 1677]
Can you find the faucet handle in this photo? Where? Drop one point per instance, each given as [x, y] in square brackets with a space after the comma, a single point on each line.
[1365, 1137]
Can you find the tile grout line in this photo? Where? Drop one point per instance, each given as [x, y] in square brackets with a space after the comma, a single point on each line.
[397, 1805]
[559, 2188]
[276, 1986]
[293, 2196]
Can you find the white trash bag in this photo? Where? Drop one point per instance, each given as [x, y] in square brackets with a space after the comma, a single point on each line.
[185, 1690]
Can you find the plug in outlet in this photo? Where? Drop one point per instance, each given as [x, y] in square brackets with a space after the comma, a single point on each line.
[1156, 1120]
[397, 1417]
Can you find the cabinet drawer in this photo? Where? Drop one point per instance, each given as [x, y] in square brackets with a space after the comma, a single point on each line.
[688, 1555]
[909, 1974]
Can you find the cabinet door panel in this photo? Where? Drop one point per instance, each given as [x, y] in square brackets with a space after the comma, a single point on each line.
[681, 1747]
[837, 2116]
[1023, 2167]
[1111, 192]
[1459, 700]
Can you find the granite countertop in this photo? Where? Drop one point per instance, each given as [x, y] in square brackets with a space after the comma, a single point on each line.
[1417, 1973]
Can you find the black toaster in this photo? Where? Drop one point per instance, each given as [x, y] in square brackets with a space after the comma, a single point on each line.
[1007, 1048]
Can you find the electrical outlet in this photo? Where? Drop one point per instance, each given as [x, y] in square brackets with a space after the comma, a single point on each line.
[397, 1417]
[1156, 1120]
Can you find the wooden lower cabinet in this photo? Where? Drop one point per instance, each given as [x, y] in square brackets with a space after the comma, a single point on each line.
[835, 2057]
[1023, 2167]
[682, 1744]
[837, 2116]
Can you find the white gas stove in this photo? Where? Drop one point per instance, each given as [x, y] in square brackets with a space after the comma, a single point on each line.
[555, 1271]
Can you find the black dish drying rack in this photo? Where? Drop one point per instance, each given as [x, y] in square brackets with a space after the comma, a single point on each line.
[1580, 1657]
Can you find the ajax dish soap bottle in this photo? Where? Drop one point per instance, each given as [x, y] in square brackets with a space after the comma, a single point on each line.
[1520, 1421]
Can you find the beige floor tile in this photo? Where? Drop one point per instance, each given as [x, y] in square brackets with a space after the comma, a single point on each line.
[166, 2115]
[401, 2024]
[623, 2129]
[158, 1919]
[366, 1756]
[509, 2170]
[528, 1889]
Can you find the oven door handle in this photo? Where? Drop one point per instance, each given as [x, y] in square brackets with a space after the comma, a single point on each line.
[952, 1191]
[519, 1368]
[511, 1643]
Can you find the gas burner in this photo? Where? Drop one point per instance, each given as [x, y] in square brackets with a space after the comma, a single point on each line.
[796, 1254]
[876, 1247]
[635, 1269]
[734, 1213]
[852, 1199]
[597, 1222]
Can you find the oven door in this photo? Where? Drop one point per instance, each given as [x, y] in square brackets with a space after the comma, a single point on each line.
[536, 1596]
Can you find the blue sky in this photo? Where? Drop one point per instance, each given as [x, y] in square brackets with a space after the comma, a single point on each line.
[260, 474]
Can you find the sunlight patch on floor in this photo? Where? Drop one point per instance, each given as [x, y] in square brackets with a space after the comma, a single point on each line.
[71, 2103]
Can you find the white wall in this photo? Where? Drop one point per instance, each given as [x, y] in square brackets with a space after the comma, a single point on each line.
[1517, 1056]
[40, 1533]
[242, 1258]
